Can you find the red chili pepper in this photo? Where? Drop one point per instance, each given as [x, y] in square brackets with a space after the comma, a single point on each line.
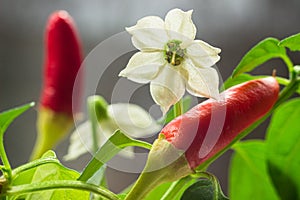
[63, 60]
[202, 132]
[61, 69]
[243, 105]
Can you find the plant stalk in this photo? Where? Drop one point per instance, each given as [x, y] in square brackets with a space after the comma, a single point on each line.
[61, 184]
[7, 168]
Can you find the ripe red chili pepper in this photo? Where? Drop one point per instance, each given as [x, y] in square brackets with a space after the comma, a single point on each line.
[61, 69]
[243, 104]
[63, 60]
[202, 132]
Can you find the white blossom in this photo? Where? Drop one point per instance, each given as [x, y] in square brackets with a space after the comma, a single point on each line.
[171, 59]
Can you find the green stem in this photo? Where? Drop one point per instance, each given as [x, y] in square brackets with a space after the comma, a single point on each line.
[94, 122]
[7, 168]
[34, 164]
[289, 89]
[176, 187]
[288, 63]
[178, 108]
[61, 184]
[165, 164]
[145, 183]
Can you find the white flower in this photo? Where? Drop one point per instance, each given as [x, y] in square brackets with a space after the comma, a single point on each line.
[171, 60]
[129, 118]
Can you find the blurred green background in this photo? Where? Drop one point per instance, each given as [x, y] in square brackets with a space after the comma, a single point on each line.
[232, 25]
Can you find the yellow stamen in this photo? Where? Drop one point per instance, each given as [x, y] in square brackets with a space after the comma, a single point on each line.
[173, 58]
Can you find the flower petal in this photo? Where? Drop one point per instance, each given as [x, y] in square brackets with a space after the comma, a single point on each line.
[143, 67]
[80, 141]
[203, 54]
[167, 88]
[202, 81]
[149, 34]
[180, 25]
[133, 120]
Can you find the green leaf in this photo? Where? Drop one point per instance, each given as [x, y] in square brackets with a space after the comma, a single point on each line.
[113, 145]
[7, 117]
[238, 79]
[259, 54]
[48, 172]
[283, 142]
[204, 189]
[186, 101]
[24, 174]
[248, 178]
[292, 42]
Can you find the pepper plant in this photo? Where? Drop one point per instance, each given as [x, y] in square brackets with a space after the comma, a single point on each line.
[191, 138]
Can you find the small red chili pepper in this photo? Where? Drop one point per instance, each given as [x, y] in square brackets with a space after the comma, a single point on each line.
[202, 132]
[61, 69]
[243, 105]
[62, 63]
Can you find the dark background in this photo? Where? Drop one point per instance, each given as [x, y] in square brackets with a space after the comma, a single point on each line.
[233, 25]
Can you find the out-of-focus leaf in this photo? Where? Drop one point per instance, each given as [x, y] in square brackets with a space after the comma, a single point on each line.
[292, 42]
[259, 54]
[48, 172]
[249, 178]
[283, 143]
[7, 117]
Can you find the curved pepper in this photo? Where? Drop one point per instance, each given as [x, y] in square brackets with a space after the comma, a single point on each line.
[202, 132]
[222, 120]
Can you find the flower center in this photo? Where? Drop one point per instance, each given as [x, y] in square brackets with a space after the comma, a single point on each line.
[174, 53]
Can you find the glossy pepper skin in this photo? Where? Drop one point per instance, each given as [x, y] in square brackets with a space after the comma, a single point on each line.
[62, 63]
[224, 120]
[202, 132]
[59, 99]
